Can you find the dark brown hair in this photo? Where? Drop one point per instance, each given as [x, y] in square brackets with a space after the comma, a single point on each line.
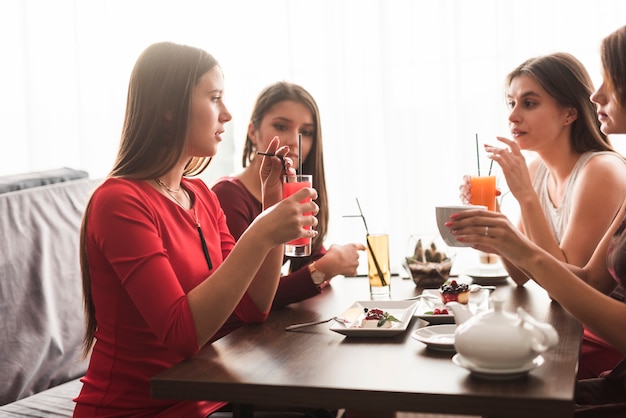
[154, 132]
[613, 56]
[314, 163]
[565, 78]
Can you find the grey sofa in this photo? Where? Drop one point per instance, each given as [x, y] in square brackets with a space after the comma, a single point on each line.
[41, 311]
[41, 306]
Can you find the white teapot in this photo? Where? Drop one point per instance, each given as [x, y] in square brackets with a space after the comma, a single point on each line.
[500, 340]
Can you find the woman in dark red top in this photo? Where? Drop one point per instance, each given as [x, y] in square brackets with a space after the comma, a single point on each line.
[286, 110]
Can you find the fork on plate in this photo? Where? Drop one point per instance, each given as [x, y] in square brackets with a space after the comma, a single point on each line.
[308, 324]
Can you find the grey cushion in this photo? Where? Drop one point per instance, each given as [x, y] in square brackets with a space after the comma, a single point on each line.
[22, 181]
[41, 308]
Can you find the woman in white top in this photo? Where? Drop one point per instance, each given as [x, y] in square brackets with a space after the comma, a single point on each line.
[569, 195]
[493, 232]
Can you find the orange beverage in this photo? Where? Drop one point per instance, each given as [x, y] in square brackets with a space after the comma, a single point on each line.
[483, 191]
[300, 247]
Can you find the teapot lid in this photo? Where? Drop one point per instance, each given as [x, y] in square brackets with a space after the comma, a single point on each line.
[497, 314]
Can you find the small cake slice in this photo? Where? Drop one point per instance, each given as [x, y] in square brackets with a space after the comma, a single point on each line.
[453, 291]
[376, 318]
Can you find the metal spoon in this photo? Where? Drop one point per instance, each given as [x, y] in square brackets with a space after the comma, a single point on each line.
[424, 296]
[477, 287]
[308, 324]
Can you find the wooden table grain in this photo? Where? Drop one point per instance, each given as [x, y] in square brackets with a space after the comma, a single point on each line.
[315, 367]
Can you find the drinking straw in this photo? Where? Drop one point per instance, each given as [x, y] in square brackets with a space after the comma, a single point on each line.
[490, 165]
[477, 156]
[369, 246]
[271, 154]
[300, 154]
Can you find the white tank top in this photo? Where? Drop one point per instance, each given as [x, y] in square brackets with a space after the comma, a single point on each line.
[558, 216]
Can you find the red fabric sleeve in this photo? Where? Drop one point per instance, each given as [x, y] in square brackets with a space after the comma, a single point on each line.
[132, 268]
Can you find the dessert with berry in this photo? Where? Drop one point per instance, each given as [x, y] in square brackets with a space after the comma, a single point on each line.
[376, 318]
[453, 291]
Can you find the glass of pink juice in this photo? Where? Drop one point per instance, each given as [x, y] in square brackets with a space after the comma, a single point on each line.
[300, 247]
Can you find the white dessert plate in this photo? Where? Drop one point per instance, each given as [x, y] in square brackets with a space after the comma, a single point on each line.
[497, 374]
[403, 310]
[436, 337]
[478, 302]
[486, 274]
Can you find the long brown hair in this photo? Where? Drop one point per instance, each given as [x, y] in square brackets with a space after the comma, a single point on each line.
[154, 133]
[314, 162]
[613, 55]
[565, 78]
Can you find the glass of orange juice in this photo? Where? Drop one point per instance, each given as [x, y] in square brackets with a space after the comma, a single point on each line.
[299, 247]
[483, 191]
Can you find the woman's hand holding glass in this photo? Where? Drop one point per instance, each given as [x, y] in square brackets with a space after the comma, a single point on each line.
[285, 220]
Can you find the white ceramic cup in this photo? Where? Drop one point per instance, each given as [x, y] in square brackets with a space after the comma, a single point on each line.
[443, 215]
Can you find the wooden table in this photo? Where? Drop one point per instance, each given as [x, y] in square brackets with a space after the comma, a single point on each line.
[316, 367]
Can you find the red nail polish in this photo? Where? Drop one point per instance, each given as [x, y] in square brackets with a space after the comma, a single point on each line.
[454, 216]
[448, 223]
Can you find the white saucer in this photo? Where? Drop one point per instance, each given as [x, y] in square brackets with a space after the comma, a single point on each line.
[486, 274]
[436, 337]
[497, 374]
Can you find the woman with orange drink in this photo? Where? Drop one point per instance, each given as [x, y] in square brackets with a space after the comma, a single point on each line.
[586, 299]
[569, 195]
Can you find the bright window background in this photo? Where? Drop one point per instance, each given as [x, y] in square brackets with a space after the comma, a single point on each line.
[403, 86]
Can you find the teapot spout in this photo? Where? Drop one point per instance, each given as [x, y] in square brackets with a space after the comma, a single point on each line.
[461, 312]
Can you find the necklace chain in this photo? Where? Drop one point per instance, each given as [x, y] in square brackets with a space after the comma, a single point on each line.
[171, 192]
[167, 188]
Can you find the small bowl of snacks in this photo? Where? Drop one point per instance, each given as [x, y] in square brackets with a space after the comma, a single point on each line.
[429, 262]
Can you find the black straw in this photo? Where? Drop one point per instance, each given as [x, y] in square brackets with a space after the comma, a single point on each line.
[300, 154]
[271, 154]
[369, 246]
[477, 156]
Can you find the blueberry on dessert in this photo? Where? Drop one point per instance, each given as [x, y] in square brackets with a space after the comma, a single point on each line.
[453, 291]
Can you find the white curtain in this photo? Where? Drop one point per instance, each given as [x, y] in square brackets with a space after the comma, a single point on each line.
[403, 86]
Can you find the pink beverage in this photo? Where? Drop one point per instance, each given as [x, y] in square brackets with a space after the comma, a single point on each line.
[300, 247]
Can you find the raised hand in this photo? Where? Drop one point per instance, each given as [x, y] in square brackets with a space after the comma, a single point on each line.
[273, 167]
[513, 165]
